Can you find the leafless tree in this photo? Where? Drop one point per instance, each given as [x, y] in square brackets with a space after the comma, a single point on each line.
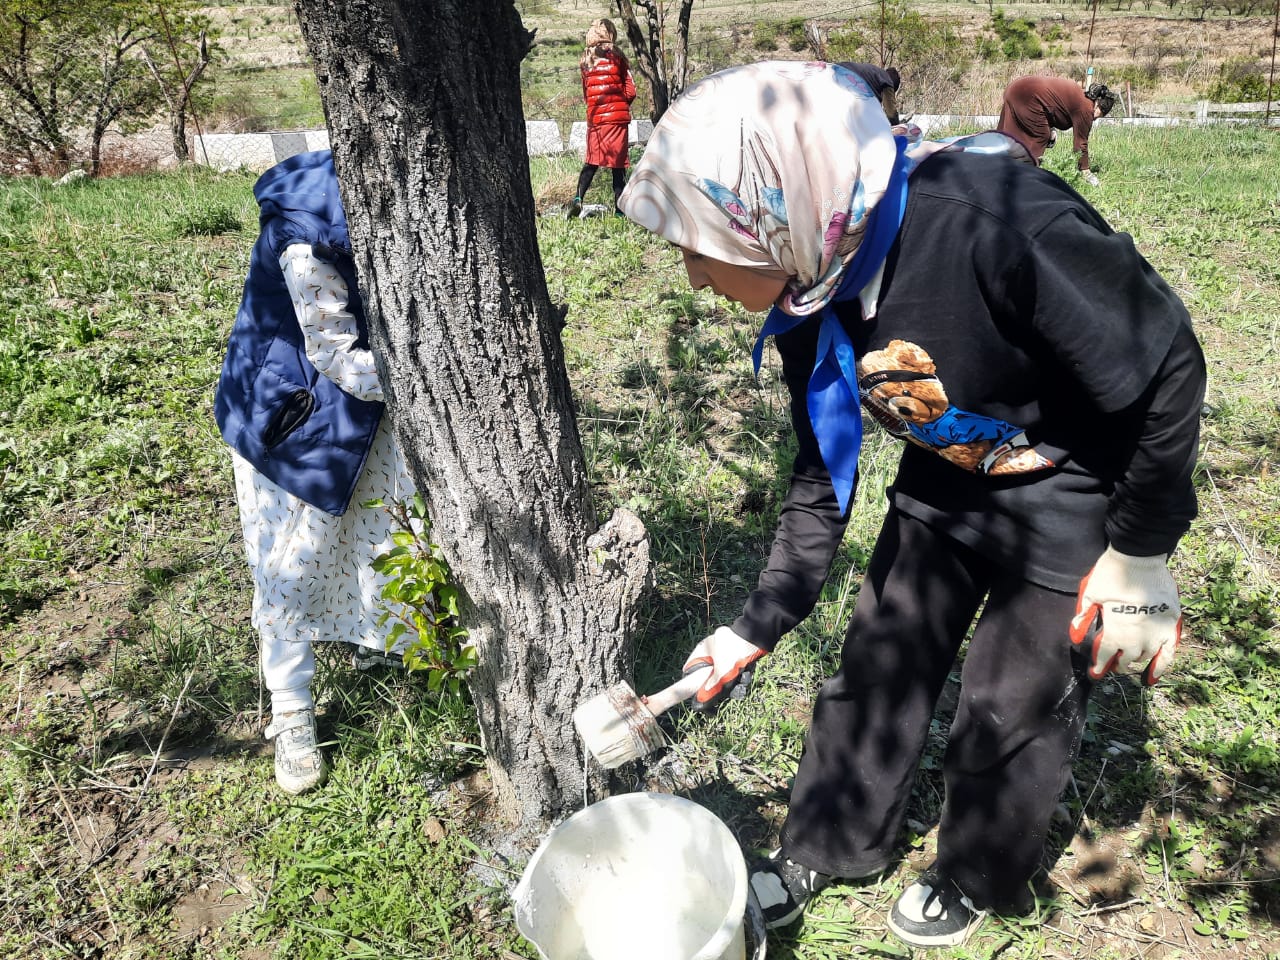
[176, 81]
[661, 58]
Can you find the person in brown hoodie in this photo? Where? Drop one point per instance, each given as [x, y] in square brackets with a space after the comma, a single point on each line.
[1034, 107]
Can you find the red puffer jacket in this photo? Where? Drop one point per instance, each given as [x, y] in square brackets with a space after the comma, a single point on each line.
[608, 90]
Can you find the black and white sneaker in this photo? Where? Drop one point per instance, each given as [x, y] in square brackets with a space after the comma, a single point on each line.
[932, 912]
[368, 658]
[782, 887]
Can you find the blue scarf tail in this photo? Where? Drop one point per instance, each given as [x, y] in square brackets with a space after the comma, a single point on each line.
[834, 407]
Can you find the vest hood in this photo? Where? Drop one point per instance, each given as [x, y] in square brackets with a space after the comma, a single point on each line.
[303, 191]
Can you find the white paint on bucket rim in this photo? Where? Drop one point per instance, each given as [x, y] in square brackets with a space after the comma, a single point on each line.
[639, 875]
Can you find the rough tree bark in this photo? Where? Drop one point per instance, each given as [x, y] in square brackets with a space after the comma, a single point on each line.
[661, 59]
[424, 116]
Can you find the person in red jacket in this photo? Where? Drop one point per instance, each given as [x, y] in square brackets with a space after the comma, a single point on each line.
[1034, 107]
[608, 90]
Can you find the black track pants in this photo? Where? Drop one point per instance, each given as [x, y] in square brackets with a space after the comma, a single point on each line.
[1017, 726]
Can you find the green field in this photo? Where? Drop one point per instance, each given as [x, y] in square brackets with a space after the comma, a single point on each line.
[140, 819]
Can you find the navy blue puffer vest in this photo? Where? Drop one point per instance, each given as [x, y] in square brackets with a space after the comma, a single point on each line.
[294, 425]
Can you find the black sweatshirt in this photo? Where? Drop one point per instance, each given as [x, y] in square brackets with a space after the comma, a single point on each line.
[1046, 379]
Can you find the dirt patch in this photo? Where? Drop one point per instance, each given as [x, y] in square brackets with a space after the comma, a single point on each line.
[66, 633]
[199, 915]
[1100, 871]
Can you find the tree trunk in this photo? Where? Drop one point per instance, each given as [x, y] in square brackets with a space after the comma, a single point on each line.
[178, 100]
[178, 133]
[178, 118]
[649, 50]
[95, 155]
[680, 56]
[425, 119]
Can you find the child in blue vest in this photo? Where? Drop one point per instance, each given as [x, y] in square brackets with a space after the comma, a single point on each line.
[300, 403]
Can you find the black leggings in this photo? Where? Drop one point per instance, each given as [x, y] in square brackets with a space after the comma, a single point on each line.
[588, 174]
[1016, 730]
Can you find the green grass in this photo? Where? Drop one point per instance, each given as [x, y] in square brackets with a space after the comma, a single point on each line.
[102, 284]
[140, 819]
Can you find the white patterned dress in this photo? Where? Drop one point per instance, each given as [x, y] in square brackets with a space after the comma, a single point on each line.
[312, 573]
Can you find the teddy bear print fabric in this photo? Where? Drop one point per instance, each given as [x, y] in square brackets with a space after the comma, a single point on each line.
[902, 391]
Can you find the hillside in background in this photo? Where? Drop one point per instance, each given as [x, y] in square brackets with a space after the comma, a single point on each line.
[954, 58]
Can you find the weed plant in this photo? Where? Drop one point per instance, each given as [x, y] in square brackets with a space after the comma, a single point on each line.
[140, 817]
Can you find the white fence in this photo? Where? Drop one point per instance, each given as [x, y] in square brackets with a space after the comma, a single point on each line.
[1150, 115]
[258, 151]
[1205, 112]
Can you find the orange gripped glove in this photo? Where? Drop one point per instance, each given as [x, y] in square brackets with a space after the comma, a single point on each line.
[1128, 616]
[730, 658]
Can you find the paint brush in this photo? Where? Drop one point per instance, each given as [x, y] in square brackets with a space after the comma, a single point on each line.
[617, 726]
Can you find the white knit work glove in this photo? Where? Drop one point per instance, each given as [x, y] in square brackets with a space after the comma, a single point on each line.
[1128, 615]
[730, 657]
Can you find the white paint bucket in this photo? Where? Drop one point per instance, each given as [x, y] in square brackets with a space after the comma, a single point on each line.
[636, 877]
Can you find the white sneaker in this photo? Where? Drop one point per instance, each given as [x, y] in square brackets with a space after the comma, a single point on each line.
[299, 763]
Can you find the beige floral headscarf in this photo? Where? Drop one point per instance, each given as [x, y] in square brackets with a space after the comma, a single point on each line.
[796, 155]
[601, 31]
[778, 165]
[781, 166]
